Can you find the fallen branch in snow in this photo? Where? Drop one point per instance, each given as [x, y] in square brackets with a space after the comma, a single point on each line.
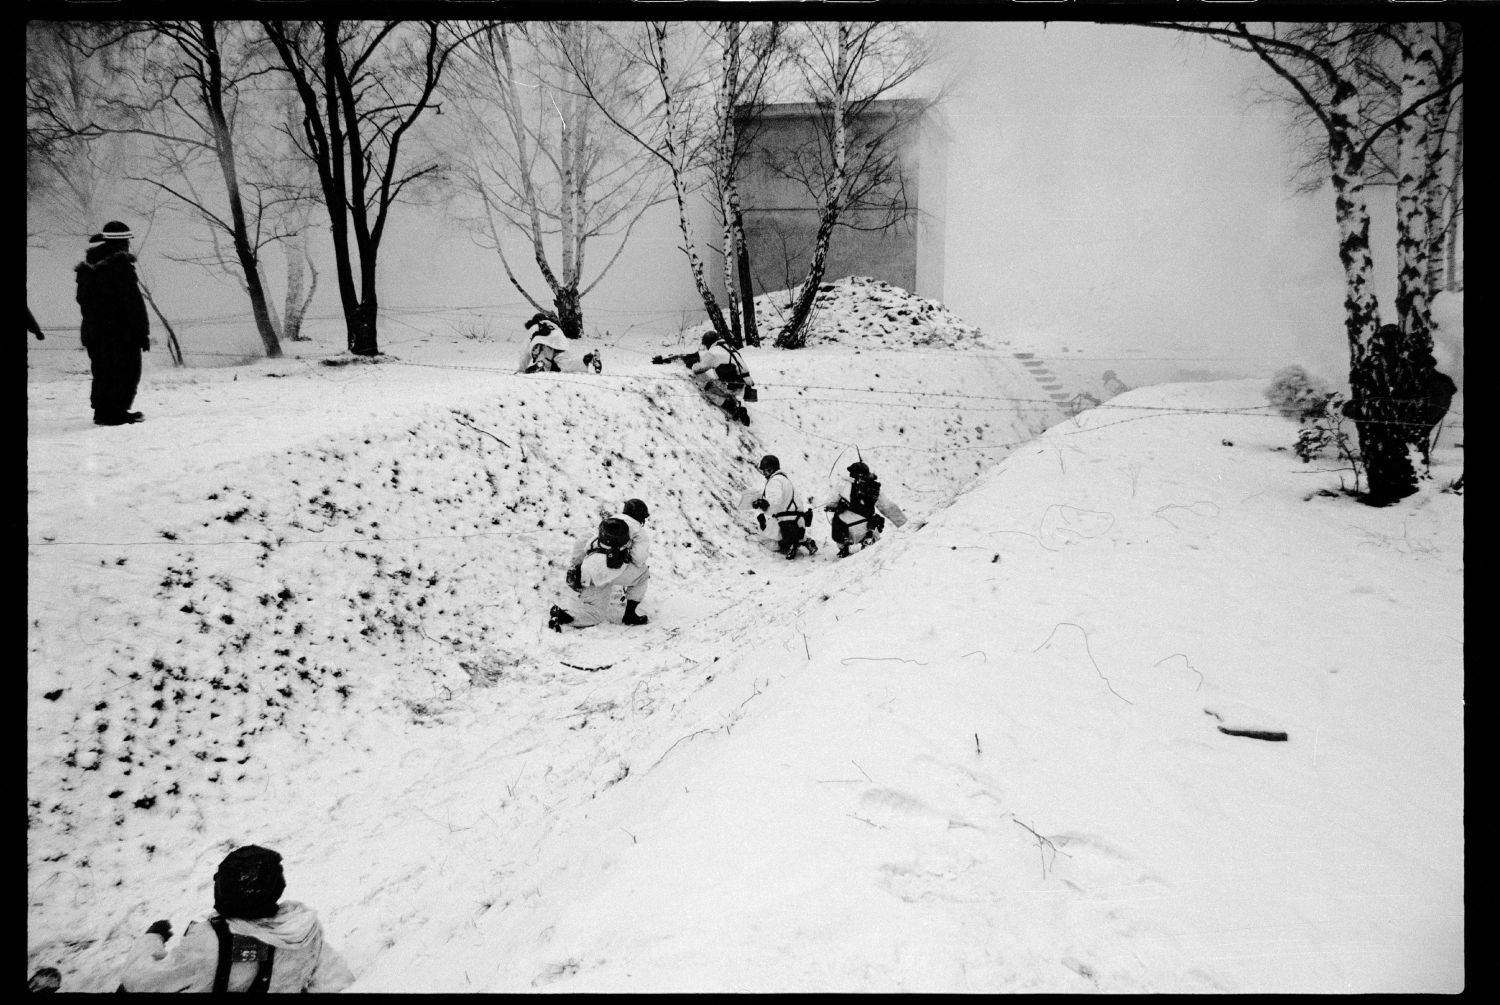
[1274, 735]
[754, 690]
[464, 422]
[1040, 841]
[1254, 734]
[862, 771]
[674, 746]
[1090, 653]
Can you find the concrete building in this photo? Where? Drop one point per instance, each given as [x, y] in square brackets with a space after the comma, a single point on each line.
[894, 229]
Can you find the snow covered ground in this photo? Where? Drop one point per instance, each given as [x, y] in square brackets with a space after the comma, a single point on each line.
[303, 605]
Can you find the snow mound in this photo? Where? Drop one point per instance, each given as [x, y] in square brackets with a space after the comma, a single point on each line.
[860, 311]
[293, 594]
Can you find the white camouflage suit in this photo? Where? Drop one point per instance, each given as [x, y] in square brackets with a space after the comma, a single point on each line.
[604, 587]
[783, 506]
[842, 490]
[548, 350]
[714, 389]
[303, 960]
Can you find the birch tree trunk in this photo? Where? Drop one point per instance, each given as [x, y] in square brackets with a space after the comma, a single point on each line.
[729, 72]
[1388, 470]
[1444, 167]
[1453, 279]
[299, 291]
[695, 263]
[1415, 186]
[793, 334]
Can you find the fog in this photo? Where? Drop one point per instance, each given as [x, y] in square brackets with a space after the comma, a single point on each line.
[1115, 198]
[1121, 191]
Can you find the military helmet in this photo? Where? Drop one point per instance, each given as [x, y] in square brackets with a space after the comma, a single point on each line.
[636, 510]
[709, 339]
[614, 533]
[769, 464]
[859, 469]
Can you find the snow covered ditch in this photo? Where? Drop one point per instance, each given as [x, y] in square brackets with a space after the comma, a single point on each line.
[303, 606]
[224, 610]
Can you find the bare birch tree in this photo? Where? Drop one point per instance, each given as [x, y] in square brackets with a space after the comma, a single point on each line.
[678, 132]
[845, 67]
[1377, 61]
[749, 56]
[1322, 66]
[540, 160]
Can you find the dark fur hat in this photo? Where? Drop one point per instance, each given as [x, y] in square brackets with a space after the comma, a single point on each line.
[249, 883]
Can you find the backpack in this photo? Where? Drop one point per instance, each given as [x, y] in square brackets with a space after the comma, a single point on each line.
[732, 372]
[862, 496]
[574, 575]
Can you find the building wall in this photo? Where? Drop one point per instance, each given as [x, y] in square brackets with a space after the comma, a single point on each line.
[932, 213]
[781, 216]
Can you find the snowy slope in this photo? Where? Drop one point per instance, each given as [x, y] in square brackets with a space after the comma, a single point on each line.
[301, 605]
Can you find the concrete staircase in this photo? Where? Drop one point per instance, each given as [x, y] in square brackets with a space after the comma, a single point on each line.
[1046, 378]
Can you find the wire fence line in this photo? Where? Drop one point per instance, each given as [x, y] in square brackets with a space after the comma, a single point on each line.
[602, 381]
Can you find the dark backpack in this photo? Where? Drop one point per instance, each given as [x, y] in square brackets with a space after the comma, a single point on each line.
[862, 496]
[574, 575]
[732, 372]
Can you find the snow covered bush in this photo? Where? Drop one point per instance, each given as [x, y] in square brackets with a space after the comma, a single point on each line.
[1323, 429]
[1294, 393]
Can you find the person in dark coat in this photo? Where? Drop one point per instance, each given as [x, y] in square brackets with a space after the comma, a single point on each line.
[1434, 397]
[115, 330]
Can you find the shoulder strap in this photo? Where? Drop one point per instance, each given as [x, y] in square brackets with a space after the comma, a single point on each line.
[262, 979]
[734, 357]
[221, 975]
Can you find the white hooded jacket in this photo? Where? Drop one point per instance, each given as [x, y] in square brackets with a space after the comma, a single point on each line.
[303, 961]
[781, 497]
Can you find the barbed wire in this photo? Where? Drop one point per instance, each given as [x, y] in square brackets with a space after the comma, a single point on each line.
[333, 354]
[801, 430]
[473, 310]
[599, 379]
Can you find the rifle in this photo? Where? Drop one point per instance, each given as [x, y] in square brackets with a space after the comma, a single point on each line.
[686, 358]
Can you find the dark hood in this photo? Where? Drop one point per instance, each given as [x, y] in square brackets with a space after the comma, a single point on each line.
[101, 256]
